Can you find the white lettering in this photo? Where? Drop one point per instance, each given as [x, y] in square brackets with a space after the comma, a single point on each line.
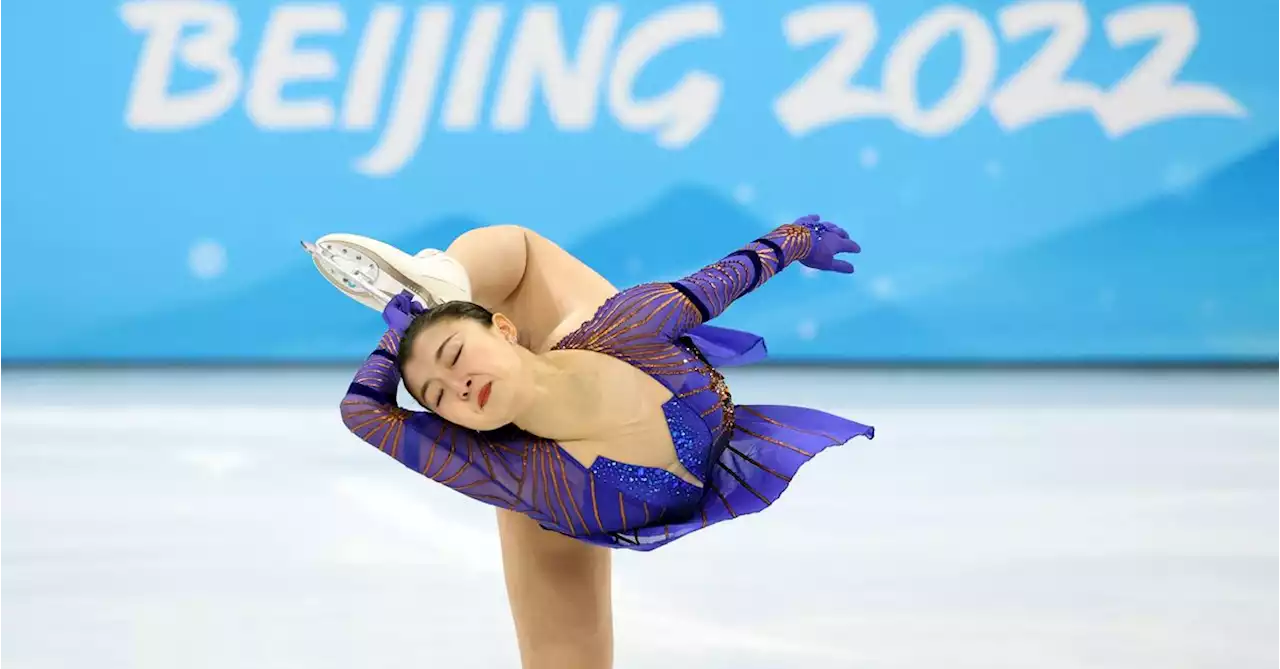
[281, 62]
[368, 77]
[826, 95]
[977, 71]
[471, 73]
[151, 106]
[1040, 89]
[537, 54]
[182, 39]
[1149, 93]
[681, 113]
[414, 95]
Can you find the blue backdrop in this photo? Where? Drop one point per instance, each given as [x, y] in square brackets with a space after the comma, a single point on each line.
[1029, 180]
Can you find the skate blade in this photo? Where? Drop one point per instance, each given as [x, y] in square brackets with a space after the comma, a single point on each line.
[347, 274]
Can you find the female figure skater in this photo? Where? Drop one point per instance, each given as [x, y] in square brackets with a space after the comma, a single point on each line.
[590, 418]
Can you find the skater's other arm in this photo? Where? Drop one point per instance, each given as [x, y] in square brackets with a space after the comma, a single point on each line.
[467, 461]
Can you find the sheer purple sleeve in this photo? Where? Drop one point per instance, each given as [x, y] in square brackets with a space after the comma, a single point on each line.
[626, 322]
[474, 463]
[710, 290]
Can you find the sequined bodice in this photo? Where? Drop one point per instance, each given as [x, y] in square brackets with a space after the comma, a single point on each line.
[698, 415]
[660, 487]
[652, 327]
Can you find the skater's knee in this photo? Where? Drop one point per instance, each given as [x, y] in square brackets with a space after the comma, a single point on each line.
[494, 258]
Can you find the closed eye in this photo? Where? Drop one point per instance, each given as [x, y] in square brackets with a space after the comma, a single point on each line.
[440, 393]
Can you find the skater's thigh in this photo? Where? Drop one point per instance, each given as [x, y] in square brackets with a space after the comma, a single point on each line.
[559, 590]
[515, 267]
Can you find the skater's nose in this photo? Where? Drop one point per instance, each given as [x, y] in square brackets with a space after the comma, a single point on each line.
[458, 383]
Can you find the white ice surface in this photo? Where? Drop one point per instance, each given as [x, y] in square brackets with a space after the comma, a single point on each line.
[1083, 520]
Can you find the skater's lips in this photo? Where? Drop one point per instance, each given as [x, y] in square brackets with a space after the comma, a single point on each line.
[482, 398]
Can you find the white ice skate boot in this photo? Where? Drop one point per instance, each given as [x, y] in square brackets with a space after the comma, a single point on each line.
[372, 272]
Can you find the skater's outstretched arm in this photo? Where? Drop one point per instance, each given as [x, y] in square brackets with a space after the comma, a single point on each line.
[710, 290]
[671, 309]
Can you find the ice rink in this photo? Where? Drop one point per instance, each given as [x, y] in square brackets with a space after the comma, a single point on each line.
[169, 519]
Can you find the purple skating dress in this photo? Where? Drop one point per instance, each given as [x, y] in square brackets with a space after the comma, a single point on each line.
[744, 455]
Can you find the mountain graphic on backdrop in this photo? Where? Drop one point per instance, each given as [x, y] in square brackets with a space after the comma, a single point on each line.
[297, 315]
[293, 315]
[656, 243]
[1126, 285]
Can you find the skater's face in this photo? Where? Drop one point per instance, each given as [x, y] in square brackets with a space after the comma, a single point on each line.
[467, 371]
